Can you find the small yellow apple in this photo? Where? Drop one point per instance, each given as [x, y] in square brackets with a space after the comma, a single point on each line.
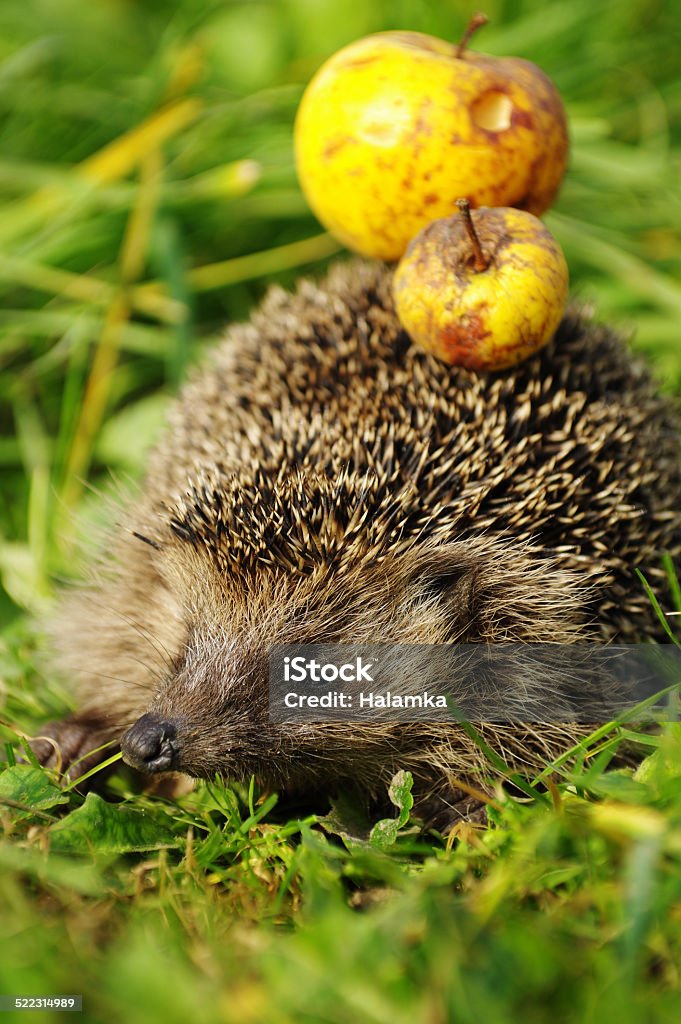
[394, 127]
[483, 290]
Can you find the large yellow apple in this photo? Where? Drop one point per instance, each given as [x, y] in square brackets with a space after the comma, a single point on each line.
[393, 128]
[483, 290]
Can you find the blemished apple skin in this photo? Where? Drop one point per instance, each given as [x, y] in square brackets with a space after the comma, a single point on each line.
[490, 319]
[395, 127]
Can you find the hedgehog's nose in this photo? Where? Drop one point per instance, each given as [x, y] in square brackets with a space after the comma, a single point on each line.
[150, 745]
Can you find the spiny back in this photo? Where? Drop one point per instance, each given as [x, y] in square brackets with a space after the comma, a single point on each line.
[319, 434]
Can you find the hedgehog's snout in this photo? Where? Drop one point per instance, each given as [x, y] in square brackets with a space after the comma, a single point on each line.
[151, 745]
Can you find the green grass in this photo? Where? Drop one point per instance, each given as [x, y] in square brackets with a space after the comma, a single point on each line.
[148, 196]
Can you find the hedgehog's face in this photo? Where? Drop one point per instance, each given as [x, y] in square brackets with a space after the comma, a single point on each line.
[211, 715]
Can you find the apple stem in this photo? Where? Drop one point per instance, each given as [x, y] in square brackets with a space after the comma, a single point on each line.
[479, 261]
[477, 21]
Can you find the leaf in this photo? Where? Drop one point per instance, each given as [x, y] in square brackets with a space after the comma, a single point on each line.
[384, 832]
[619, 785]
[112, 828]
[661, 769]
[347, 820]
[400, 794]
[30, 788]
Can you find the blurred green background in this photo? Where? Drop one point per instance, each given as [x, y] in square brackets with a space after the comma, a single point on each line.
[148, 195]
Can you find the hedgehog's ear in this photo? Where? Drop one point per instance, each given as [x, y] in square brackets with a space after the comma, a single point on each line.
[499, 591]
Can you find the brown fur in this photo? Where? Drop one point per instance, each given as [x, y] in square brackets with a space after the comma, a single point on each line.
[323, 480]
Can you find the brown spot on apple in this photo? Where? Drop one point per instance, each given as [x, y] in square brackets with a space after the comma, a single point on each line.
[334, 146]
[359, 62]
[462, 341]
[522, 119]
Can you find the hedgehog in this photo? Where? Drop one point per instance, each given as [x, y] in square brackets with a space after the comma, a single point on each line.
[321, 480]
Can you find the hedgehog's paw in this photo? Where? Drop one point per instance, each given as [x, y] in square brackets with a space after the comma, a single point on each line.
[73, 746]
